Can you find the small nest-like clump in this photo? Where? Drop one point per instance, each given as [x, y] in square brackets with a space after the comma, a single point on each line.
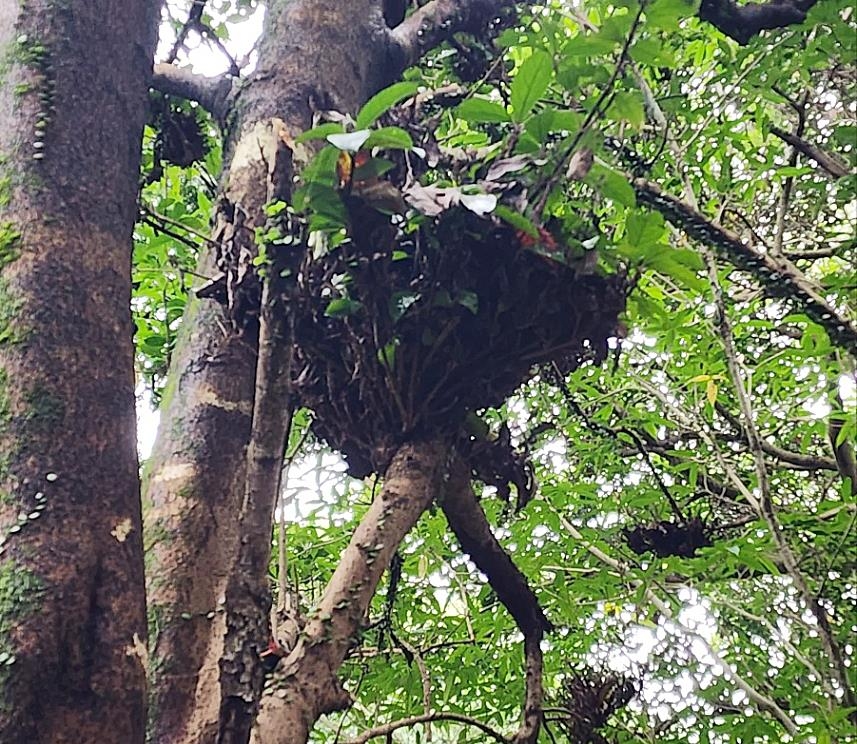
[399, 336]
[589, 699]
[666, 538]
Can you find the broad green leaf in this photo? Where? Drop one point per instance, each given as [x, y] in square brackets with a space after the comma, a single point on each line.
[320, 132]
[612, 184]
[667, 14]
[481, 110]
[516, 220]
[628, 106]
[342, 307]
[390, 138]
[530, 83]
[384, 100]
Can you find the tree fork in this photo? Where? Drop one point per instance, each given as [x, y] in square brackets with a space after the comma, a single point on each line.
[310, 686]
[313, 55]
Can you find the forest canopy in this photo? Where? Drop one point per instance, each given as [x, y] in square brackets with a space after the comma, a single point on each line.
[504, 355]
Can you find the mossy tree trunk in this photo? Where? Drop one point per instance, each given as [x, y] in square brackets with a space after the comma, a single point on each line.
[314, 55]
[73, 81]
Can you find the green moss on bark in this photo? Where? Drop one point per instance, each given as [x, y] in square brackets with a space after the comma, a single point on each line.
[11, 330]
[44, 408]
[20, 595]
[10, 236]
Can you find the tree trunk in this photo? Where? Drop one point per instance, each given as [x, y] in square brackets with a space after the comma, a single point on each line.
[314, 55]
[72, 604]
[308, 685]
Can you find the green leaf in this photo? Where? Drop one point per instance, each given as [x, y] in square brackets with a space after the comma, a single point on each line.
[468, 299]
[387, 354]
[666, 15]
[383, 101]
[549, 120]
[320, 132]
[612, 184]
[530, 83]
[342, 307]
[516, 220]
[644, 229]
[482, 111]
[628, 106]
[390, 138]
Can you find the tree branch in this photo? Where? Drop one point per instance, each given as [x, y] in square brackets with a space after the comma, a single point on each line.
[743, 22]
[309, 674]
[388, 728]
[758, 698]
[764, 503]
[212, 93]
[827, 162]
[778, 276]
[247, 592]
[471, 528]
[438, 20]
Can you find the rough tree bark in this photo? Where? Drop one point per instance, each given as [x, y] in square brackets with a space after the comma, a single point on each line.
[73, 84]
[309, 684]
[313, 56]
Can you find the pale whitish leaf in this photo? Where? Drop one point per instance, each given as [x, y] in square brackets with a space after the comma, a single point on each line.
[579, 165]
[431, 200]
[500, 168]
[351, 141]
[480, 204]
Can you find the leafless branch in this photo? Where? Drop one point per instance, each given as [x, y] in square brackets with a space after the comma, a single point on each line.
[800, 460]
[212, 93]
[778, 276]
[438, 20]
[827, 162]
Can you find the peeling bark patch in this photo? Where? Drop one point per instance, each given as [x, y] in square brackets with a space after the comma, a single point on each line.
[180, 471]
[253, 147]
[137, 648]
[122, 530]
[208, 397]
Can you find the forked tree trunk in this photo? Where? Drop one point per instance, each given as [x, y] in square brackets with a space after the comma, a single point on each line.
[308, 686]
[315, 55]
[73, 87]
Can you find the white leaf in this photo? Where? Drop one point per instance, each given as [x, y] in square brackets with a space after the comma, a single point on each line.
[351, 141]
[480, 204]
[431, 200]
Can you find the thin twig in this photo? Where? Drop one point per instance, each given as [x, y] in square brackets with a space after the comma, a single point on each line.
[388, 728]
[547, 185]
